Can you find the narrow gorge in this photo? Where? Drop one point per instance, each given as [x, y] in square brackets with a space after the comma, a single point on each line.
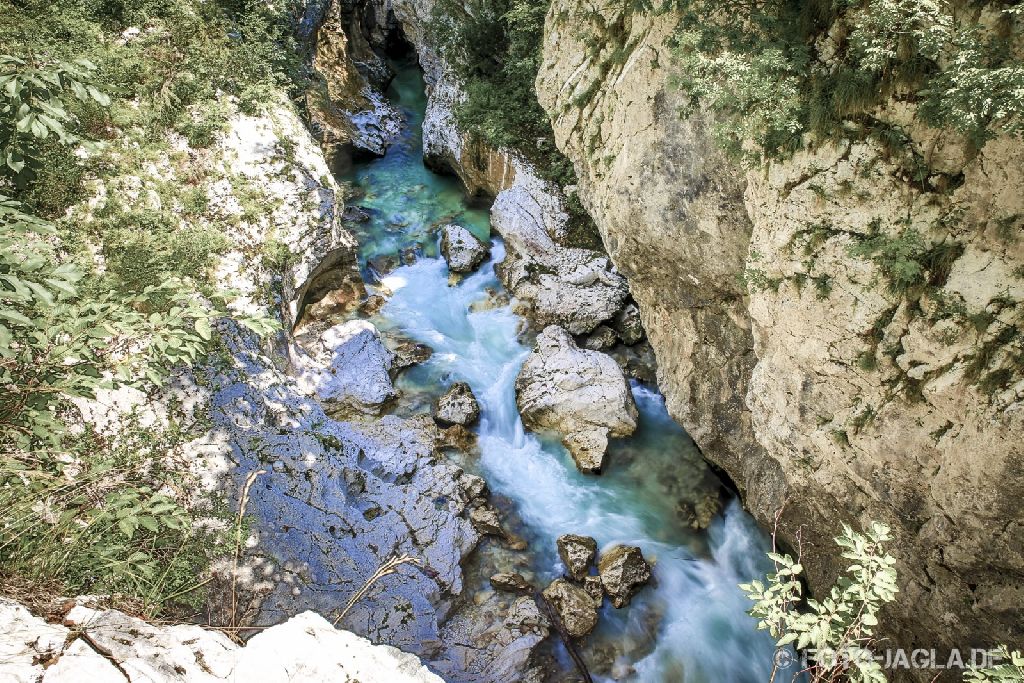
[491, 345]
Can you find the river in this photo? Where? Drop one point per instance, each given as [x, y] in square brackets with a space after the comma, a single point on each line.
[690, 623]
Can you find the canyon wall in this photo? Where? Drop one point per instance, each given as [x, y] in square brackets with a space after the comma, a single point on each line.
[826, 395]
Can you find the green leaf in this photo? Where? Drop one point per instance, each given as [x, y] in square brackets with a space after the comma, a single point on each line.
[202, 326]
[15, 317]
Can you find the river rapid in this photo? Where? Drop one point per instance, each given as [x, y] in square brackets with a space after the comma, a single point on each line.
[690, 623]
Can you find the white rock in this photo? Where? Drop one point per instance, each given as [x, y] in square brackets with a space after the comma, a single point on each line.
[461, 249]
[308, 648]
[581, 394]
[82, 664]
[357, 377]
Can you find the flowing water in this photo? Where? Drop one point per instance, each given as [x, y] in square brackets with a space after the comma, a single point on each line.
[690, 623]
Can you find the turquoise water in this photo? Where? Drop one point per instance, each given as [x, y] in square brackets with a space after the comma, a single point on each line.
[690, 624]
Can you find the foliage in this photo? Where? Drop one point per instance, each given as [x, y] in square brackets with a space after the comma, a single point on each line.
[101, 516]
[839, 629]
[776, 70]
[32, 109]
[495, 48]
[107, 512]
[1008, 669]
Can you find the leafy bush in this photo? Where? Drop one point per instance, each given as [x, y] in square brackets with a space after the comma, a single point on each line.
[78, 510]
[1009, 669]
[776, 70]
[840, 628]
[495, 48]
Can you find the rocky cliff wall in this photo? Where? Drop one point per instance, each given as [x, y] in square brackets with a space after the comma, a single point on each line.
[796, 367]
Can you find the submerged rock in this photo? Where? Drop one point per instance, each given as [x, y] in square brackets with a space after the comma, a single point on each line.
[575, 608]
[577, 553]
[358, 377]
[511, 582]
[623, 572]
[461, 249]
[457, 406]
[581, 394]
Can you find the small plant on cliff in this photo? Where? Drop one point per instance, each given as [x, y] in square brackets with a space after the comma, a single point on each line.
[1008, 668]
[838, 631]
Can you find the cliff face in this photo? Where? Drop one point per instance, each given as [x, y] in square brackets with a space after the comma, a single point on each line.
[819, 388]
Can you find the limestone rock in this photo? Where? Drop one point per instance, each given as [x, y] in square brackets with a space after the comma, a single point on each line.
[511, 583]
[79, 663]
[457, 406]
[575, 608]
[580, 394]
[304, 649]
[623, 572]
[463, 251]
[592, 586]
[485, 519]
[358, 378]
[601, 339]
[577, 553]
[308, 648]
[766, 379]
[628, 326]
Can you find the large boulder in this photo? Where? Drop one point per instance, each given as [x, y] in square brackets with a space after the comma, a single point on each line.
[358, 376]
[457, 406]
[577, 553]
[580, 394]
[623, 572]
[575, 608]
[463, 251]
[115, 647]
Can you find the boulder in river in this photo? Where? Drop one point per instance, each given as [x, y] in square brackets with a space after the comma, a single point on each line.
[577, 553]
[511, 583]
[485, 520]
[601, 339]
[575, 608]
[457, 406]
[623, 572]
[581, 394]
[463, 251]
[357, 377]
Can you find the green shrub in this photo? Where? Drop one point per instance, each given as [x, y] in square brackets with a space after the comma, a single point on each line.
[756, 64]
[840, 629]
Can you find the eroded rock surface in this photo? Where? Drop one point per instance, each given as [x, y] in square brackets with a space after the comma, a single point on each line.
[580, 394]
[355, 373]
[463, 251]
[623, 571]
[574, 607]
[457, 406]
[819, 390]
[577, 553]
[97, 645]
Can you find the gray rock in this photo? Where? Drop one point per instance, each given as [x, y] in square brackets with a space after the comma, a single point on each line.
[511, 583]
[358, 377]
[461, 249]
[575, 608]
[623, 572]
[580, 394]
[628, 326]
[408, 352]
[592, 586]
[485, 519]
[601, 339]
[577, 553]
[457, 406]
